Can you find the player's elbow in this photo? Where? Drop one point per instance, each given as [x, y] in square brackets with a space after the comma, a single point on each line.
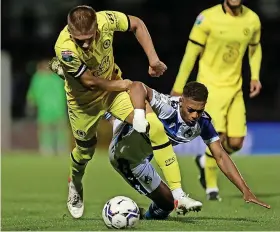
[135, 23]
[90, 83]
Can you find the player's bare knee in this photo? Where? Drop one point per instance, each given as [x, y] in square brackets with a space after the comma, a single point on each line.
[136, 85]
[235, 143]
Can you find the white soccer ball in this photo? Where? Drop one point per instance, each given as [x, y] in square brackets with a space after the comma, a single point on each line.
[120, 212]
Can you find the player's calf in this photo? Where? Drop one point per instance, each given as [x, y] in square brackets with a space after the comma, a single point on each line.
[162, 205]
[80, 156]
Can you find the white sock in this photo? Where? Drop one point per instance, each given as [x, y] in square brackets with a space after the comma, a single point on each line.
[202, 161]
[178, 193]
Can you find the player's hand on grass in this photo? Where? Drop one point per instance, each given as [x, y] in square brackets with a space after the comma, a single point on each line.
[255, 88]
[249, 197]
[157, 68]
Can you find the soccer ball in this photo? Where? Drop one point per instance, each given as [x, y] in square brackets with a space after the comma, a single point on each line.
[120, 212]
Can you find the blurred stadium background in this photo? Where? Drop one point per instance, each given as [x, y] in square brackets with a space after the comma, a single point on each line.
[30, 29]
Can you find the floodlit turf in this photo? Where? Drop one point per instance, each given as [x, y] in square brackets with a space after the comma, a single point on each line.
[34, 193]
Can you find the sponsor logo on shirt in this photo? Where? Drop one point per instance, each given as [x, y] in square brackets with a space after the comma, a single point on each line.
[106, 43]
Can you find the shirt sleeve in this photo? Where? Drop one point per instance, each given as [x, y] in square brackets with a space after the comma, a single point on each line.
[70, 62]
[162, 105]
[208, 132]
[257, 33]
[117, 21]
[201, 29]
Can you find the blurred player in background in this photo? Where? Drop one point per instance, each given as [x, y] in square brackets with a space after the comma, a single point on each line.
[220, 37]
[46, 94]
[93, 84]
[184, 119]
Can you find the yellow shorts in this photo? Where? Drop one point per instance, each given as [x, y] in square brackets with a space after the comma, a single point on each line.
[84, 123]
[227, 109]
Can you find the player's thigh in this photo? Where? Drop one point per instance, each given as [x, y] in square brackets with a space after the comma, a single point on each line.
[120, 106]
[217, 106]
[143, 178]
[84, 125]
[236, 118]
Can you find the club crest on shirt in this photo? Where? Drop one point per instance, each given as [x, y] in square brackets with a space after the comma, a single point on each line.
[199, 19]
[81, 133]
[106, 43]
[67, 56]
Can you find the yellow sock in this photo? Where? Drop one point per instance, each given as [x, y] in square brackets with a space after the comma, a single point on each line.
[163, 152]
[211, 171]
[78, 163]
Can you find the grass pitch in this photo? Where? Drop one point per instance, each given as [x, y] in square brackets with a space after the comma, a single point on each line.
[34, 194]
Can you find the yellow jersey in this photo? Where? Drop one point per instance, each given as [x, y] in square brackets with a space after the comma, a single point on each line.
[99, 59]
[225, 39]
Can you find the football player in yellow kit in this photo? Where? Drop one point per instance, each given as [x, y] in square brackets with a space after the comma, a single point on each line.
[93, 85]
[220, 37]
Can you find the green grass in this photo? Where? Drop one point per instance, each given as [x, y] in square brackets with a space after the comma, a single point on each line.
[34, 192]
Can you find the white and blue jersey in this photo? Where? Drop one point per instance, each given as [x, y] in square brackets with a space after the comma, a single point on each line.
[168, 111]
[133, 146]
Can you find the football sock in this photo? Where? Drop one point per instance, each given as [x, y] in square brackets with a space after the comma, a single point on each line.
[163, 152]
[78, 162]
[156, 213]
[211, 172]
[178, 193]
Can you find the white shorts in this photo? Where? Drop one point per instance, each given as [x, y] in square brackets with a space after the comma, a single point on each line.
[143, 177]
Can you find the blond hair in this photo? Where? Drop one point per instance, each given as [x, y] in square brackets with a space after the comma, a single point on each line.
[82, 20]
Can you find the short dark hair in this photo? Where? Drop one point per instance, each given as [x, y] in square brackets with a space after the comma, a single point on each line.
[81, 19]
[196, 91]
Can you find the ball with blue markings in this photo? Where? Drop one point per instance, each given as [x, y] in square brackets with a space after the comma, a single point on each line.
[120, 212]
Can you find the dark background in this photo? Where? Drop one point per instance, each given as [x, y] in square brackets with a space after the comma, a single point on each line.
[30, 29]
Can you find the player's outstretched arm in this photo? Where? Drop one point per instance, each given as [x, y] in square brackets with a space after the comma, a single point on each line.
[228, 167]
[92, 82]
[193, 49]
[156, 67]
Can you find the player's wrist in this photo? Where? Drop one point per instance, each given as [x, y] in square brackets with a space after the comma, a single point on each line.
[153, 59]
[255, 78]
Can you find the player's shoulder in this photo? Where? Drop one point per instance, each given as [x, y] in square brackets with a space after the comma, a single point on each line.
[205, 116]
[209, 14]
[64, 42]
[105, 18]
[250, 14]
[205, 120]
[212, 11]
